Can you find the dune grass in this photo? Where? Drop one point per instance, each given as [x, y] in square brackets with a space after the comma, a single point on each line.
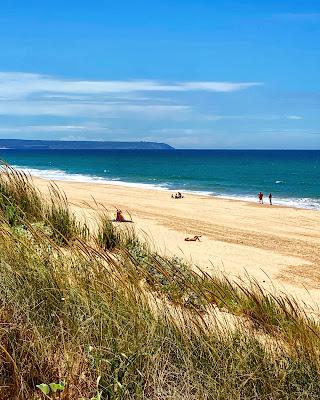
[112, 319]
[108, 236]
[61, 220]
[19, 199]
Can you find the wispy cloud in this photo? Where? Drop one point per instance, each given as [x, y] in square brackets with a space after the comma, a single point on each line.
[262, 117]
[53, 128]
[298, 17]
[32, 94]
[24, 84]
[294, 117]
[77, 138]
[290, 131]
[87, 109]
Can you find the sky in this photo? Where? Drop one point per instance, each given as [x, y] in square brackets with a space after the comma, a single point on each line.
[228, 74]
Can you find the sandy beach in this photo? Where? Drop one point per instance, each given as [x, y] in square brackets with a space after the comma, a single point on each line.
[278, 246]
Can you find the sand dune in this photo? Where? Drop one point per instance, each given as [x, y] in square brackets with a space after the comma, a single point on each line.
[279, 246]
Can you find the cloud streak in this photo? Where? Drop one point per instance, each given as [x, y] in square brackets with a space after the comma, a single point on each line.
[52, 128]
[294, 117]
[25, 84]
[298, 17]
[88, 109]
[30, 94]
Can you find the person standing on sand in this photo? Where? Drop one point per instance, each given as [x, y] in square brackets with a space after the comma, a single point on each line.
[260, 197]
[270, 198]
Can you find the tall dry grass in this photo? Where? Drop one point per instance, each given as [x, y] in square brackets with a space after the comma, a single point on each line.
[122, 322]
[19, 199]
[63, 222]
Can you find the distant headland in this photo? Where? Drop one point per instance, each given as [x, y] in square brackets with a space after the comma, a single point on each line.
[80, 145]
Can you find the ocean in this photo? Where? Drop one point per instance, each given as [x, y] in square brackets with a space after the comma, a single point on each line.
[293, 177]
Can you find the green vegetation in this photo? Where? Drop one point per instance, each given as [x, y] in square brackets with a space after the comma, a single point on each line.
[61, 220]
[19, 200]
[99, 315]
[109, 236]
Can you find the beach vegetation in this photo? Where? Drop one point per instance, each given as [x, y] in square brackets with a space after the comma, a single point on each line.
[61, 219]
[102, 315]
[108, 236]
[19, 199]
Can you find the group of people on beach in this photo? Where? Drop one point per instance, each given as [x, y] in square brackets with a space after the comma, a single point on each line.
[261, 195]
[177, 196]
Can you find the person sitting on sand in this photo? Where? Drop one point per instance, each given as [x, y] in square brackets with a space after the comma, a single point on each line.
[193, 239]
[260, 197]
[120, 217]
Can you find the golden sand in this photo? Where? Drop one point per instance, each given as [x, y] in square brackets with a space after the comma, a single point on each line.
[279, 246]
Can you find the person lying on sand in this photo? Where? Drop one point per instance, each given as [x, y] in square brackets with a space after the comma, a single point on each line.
[193, 239]
[120, 217]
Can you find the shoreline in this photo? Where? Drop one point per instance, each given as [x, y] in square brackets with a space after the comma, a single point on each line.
[61, 176]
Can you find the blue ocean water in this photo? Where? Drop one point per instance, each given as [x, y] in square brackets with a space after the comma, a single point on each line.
[292, 176]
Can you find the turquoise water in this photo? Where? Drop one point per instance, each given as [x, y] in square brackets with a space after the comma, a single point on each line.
[292, 176]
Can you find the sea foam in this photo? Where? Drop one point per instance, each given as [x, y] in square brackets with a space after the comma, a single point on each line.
[60, 175]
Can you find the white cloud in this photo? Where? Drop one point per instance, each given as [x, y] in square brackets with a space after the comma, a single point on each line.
[262, 117]
[293, 131]
[73, 138]
[52, 128]
[56, 128]
[17, 84]
[216, 86]
[87, 109]
[29, 94]
[294, 117]
[298, 17]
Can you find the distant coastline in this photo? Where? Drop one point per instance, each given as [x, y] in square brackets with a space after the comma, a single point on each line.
[20, 144]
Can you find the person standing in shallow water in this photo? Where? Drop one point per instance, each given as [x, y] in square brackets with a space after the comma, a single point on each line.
[270, 198]
[260, 197]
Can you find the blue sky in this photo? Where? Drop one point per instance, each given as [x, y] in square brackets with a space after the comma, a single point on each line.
[192, 73]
